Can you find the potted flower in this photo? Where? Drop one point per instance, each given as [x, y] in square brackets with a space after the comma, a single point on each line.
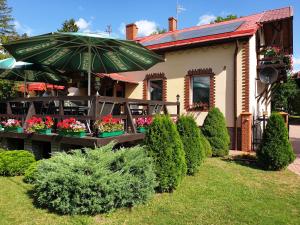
[71, 127]
[271, 51]
[12, 125]
[39, 125]
[109, 127]
[143, 123]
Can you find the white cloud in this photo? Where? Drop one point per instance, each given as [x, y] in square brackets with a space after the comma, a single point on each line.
[21, 28]
[296, 62]
[122, 28]
[145, 27]
[205, 19]
[84, 25]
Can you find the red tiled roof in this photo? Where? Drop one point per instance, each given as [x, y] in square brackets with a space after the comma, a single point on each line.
[116, 76]
[248, 28]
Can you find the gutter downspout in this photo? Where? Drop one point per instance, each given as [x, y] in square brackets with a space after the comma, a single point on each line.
[235, 93]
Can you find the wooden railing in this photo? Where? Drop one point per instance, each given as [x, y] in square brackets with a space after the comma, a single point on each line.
[86, 109]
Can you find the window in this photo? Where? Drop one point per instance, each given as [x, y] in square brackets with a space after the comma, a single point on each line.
[200, 87]
[156, 89]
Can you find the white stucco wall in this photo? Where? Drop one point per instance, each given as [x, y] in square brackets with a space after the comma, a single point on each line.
[219, 57]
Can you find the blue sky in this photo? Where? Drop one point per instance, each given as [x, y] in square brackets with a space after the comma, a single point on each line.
[38, 17]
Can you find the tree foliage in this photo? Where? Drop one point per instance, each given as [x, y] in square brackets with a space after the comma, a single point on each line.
[7, 90]
[164, 145]
[226, 18]
[192, 143]
[215, 130]
[6, 20]
[275, 152]
[159, 31]
[284, 95]
[69, 26]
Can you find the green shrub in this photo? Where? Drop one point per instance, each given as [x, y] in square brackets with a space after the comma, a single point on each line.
[275, 152]
[94, 181]
[192, 143]
[165, 147]
[15, 162]
[215, 130]
[31, 172]
[206, 145]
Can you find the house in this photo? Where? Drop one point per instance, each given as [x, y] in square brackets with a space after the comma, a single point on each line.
[217, 65]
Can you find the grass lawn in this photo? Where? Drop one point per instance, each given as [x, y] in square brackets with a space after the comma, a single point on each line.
[221, 193]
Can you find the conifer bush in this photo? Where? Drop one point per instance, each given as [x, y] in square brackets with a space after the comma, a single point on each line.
[215, 130]
[192, 143]
[30, 173]
[94, 180]
[206, 145]
[275, 151]
[164, 145]
[14, 163]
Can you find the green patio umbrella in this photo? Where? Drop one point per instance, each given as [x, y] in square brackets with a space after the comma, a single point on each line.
[91, 53]
[29, 72]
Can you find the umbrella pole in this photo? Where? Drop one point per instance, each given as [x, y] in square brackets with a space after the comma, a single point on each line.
[25, 85]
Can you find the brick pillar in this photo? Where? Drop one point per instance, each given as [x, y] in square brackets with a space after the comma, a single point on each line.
[285, 117]
[246, 131]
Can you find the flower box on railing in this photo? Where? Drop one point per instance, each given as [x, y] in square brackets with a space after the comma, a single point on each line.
[110, 134]
[47, 131]
[141, 129]
[109, 127]
[71, 128]
[13, 129]
[77, 134]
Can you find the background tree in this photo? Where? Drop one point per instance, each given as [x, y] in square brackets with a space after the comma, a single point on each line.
[284, 95]
[69, 26]
[7, 27]
[159, 31]
[226, 18]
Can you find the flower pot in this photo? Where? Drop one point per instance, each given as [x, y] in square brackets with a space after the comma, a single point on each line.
[110, 134]
[44, 131]
[141, 129]
[79, 134]
[14, 129]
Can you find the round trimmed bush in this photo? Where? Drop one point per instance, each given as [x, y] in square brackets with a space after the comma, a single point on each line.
[165, 147]
[215, 130]
[192, 143]
[94, 181]
[275, 151]
[14, 163]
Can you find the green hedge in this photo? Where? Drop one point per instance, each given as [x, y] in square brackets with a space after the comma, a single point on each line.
[215, 130]
[192, 143]
[31, 172]
[94, 181]
[165, 147]
[275, 152]
[13, 163]
[206, 145]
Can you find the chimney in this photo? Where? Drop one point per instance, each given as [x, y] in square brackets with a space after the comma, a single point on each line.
[131, 31]
[172, 24]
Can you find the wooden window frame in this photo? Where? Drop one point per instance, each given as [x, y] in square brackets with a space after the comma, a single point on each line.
[154, 76]
[188, 88]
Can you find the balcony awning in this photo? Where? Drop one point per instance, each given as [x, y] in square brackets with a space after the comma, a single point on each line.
[116, 76]
[39, 87]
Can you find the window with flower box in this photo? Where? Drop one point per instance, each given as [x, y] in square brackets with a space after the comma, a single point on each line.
[199, 93]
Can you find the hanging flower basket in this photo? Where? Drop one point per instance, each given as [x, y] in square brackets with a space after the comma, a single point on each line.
[12, 125]
[109, 127]
[71, 128]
